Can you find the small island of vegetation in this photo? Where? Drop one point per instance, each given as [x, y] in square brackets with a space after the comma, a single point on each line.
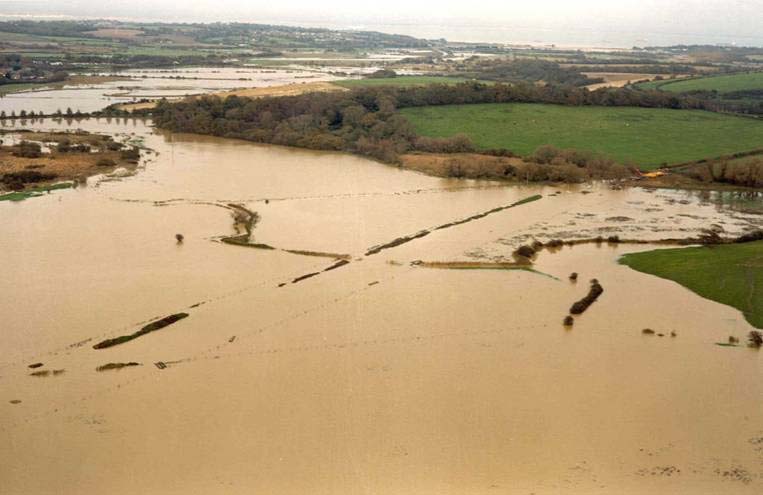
[43, 161]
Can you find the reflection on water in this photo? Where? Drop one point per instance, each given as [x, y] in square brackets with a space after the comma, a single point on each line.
[745, 201]
[376, 375]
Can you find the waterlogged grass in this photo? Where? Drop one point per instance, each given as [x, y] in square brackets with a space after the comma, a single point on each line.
[487, 266]
[7, 89]
[35, 192]
[647, 137]
[151, 327]
[400, 81]
[730, 274]
[722, 84]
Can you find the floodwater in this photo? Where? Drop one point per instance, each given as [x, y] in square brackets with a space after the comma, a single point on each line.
[375, 377]
[153, 84]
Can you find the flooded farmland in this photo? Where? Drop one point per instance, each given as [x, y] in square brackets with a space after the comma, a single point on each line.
[294, 373]
[135, 85]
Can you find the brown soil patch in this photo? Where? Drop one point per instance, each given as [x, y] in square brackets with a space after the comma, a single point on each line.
[130, 107]
[617, 79]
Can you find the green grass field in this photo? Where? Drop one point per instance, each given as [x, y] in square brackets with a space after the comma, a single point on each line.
[722, 84]
[651, 84]
[158, 51]
[34, 192]
[400, 81]
[647, 137]
[730, 274]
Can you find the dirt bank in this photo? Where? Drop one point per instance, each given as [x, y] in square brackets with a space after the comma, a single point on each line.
[617, 79]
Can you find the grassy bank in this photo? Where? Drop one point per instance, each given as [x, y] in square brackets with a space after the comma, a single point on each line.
[722, 84]
[34, 192]
[647, 137]
[731, 274]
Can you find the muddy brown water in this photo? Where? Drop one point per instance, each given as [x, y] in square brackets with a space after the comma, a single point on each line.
[376, 376]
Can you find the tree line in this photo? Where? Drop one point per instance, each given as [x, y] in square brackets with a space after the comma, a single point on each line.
[365, 120]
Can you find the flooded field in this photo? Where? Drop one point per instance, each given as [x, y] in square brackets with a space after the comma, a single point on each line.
[152, 84]
[321, 357]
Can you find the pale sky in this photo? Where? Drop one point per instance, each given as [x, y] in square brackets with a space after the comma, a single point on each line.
[733, 21]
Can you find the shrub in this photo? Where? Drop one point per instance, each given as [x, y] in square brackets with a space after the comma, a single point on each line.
[755, 339]
[455, 168]
[28, 149]
[566, 173]
[544, 154]
[755, 235]
[130, 154]
[382, 74]
[460, 143]
[105, 162]
[525, 251]
[16, 180]
[64, 146]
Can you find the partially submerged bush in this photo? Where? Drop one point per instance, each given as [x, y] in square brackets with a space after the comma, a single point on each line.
[755, 339]
[525, 251]
[455, 169]
[130, 154]
[382, 74]
[593, 294]
[64, 146]
[755, 235]
[18, 179]
[548, 163]
[116, 366]
[742, 173]
[709, 237]
[28, 149]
